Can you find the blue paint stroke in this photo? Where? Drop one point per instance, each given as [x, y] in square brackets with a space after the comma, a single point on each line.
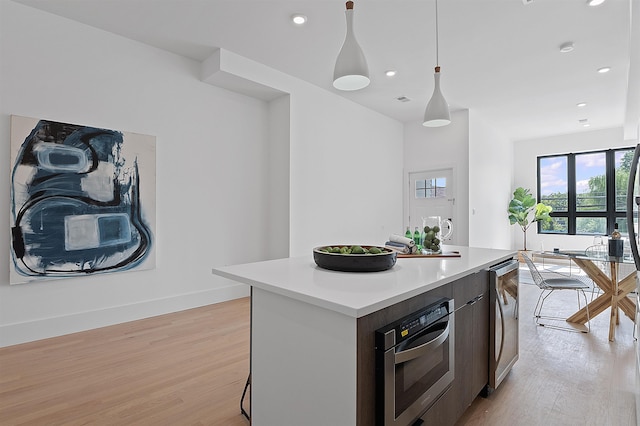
[63, 226]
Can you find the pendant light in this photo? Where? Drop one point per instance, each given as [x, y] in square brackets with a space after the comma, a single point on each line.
[437, 112]
[351, 71]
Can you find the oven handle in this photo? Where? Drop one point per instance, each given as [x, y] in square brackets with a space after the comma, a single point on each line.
[418, 351]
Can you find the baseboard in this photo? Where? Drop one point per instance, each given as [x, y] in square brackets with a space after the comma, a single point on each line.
[13, 334]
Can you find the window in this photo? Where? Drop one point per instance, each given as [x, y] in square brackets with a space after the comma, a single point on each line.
[588, 191]
[431, 188]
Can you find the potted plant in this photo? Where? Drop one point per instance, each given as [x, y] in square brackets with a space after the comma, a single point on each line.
[521, 206]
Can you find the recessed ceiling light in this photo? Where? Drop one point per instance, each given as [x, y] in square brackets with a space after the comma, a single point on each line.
[586, 125]
[390, 73]
[566, 47]
[581, 104]
[604, 70]
[595, 2]
[298, 19]
[584, 122]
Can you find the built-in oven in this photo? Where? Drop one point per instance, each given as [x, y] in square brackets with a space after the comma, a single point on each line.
[414, 363]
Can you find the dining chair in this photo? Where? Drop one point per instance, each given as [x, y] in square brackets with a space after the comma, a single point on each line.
[549, 283]
[596, 252]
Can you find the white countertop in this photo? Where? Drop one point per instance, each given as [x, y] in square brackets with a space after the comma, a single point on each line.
[359, 294]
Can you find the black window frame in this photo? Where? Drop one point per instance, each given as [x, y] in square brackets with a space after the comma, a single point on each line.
[612, 216]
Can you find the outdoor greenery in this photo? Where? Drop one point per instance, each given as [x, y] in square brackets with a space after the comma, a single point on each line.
[593, 200]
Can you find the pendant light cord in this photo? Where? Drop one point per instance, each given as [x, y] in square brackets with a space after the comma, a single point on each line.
[437, 43]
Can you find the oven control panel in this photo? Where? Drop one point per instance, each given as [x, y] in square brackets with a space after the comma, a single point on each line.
[412, 324]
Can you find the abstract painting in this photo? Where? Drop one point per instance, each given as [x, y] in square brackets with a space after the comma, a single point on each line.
[82, 200]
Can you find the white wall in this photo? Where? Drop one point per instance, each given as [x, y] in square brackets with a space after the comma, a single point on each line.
[345, 160]
[220, 162]
[490, 182]
[278, 191]
[525, 175]
[482, 161]
[346, 179]
[434, 148]
[60, 70]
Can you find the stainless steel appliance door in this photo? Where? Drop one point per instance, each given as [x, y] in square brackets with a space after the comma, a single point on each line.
[633, 200]
[504, 344]
[417, 372]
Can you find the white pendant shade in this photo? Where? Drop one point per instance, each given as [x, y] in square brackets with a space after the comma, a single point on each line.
[351, 71]
[437, 111]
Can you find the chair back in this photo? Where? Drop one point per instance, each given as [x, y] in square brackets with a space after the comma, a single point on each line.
[535, 274]
[599, 254]
[600, 251]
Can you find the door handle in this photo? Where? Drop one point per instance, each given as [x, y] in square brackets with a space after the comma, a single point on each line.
[475, 299]
[418, 351]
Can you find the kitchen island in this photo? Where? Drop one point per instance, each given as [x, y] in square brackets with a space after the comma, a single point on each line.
[311, 330]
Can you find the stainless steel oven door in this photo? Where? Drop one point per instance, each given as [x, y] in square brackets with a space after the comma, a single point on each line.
[418, 371]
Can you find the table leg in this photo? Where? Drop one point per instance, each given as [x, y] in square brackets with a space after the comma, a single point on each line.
[614, 301]
[626, 304]
[614, 295]
[596, 307]
[603, 301]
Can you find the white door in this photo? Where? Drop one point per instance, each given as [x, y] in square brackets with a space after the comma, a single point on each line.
[432, 193]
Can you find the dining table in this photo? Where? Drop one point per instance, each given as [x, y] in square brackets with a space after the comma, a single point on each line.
[614, 290]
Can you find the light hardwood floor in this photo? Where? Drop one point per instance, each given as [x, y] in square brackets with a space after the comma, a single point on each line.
[563, 378]
[189, 368]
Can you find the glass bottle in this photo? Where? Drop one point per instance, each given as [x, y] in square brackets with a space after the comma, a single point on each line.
[416, 236]
[408, 233]
[615, 235]
[616, 245]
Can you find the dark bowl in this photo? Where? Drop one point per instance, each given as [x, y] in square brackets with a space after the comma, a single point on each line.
[355, 262]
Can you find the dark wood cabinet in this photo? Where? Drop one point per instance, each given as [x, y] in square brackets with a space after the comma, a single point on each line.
[471, 372]
[472, 338]
[464, 347]
[472, 350]
[480, 378]
[443, 412]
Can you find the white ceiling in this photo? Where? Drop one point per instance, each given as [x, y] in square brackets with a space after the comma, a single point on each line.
[499, 58]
